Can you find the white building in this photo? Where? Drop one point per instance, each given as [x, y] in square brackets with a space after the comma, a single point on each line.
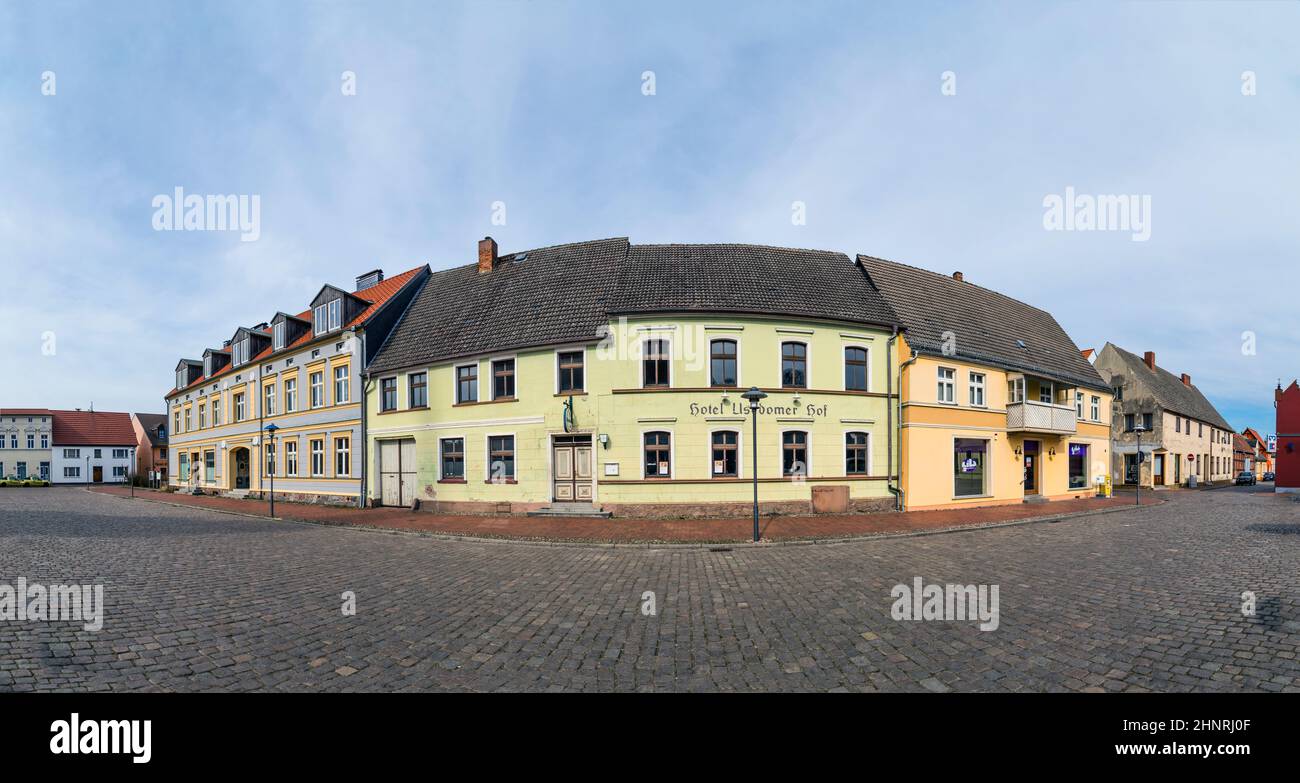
[92, 447]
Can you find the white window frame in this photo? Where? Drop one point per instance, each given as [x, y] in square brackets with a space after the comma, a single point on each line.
[1050, 387]
[345, 452]
[291, 457]
[347, 384]
[980, 385]
[291, 395]
[491, 362]
[1096, 408]
[949, 383]
[555, 369]
[1078, 404]
[311, 451]
[319, 319]
[269, 399]
[277, 335]
[708, 455]
[316, 401]
[335, 314]
[1017, 388]
[478, 382]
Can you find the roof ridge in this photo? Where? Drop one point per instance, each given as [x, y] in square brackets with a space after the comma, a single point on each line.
[754, 245]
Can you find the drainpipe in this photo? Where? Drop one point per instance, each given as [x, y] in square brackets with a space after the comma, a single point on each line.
[899, 498]
[365, 444]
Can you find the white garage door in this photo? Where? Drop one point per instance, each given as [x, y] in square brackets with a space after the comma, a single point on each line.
[397, 472]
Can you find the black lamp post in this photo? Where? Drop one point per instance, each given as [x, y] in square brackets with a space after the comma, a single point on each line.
[754, 395]
[1139, 429]
[271, 429]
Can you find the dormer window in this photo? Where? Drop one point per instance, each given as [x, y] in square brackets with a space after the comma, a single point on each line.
[239, 352]
[180, 379]
[207, 366]
[328, 317]
[277, 336]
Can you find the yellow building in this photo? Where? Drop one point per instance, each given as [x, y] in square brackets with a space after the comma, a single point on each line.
[605, 377]
[996, 403]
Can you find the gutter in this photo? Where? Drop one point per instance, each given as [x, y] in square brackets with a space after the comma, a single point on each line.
[365, 445]
[897, 492]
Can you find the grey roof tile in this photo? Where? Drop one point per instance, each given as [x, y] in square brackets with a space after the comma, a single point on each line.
[1169, 390]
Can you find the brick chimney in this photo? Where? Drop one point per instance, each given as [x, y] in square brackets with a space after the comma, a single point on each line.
[1150, 358]
[1187, 379]
[958, 276]
[487, 254]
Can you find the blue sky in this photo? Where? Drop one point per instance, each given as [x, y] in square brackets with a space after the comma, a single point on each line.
[539, 105]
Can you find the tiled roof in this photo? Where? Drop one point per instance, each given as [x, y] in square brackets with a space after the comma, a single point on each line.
[566, 293]
[377, 295]
[747, 279]
[987, 327]
[151, 422]
[92, 428]
[548, 296]
[1169, 390]
[25, 412]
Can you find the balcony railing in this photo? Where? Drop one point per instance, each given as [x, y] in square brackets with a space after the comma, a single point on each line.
[1041, 417]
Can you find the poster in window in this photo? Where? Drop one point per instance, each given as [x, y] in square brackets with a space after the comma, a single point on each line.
[663, 468]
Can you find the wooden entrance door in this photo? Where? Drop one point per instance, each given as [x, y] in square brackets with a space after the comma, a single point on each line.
[1031, 467]
[241, 468]
[571, 461]
[397, 472]
[1158, 470]
[97, 473]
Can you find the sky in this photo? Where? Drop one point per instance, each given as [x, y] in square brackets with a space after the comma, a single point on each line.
[930, 134]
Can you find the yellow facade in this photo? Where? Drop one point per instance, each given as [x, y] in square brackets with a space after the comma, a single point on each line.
[618, 412]
[1013, 459]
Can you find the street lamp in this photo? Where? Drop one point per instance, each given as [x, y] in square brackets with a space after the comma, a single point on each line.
[1139, 429]
[271, 429]
[754, 395]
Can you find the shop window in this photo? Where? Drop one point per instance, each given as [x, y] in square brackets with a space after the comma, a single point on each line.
[1078, 466]
[970, 467]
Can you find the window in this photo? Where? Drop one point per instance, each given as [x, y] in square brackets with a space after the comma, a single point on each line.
[317, 457]
[45, 441]
[658, 455]
[188, 424]
[277, 336]
[336, 314]
[417, 393]
[467, 383]
[176, 424]
[72, 453]
[856, 460]
[239, 352]
[216, 411]
[31, 440]
[327, 317]
[388, 394]
[1016, 390]
[654, 363]
[209, 466]
[794, 365]
[453, 459]
[723, 364]
[72, 472]
[946, 386]
[269, 464]
[119, 471]
[181, 377]
[317, 382]
[503, 379]
[121, 454]
[855, 369]
[239, 407]
[1178, 424]
[184, 461]
[1078, 404]
[1200, 430]
[99, 453]
[291, 395]
[501, 458]
[1078, 466]
[569, 364]
[794, 453]
[342, 389]
[969, 469]
[268, 400]
[1146, 422]
[726, 463]
[1128, 422]
[1096, 408]
[977, 389]
[291, 458]
[1045, 391]
[342, 456]
[203, 415]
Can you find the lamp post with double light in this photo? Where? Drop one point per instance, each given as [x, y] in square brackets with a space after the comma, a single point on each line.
[271, 429]
[754, 395]
[1139, 429]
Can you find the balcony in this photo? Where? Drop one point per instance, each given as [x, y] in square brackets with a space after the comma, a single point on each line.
[1041, 417]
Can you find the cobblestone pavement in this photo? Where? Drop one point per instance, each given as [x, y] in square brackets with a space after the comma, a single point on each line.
[195, 600]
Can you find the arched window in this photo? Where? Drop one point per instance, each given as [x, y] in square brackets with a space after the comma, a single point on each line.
[856, 462]
[794, 365]
[855, 368]
[658, 455]
[794, 453]
[726, 456]
[722, 363]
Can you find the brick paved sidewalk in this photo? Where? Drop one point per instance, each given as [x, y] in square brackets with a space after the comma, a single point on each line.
[621, 530]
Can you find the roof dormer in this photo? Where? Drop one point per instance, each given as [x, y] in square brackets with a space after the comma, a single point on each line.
[333, 308]
[214, 361]
[286, 329]
[187, 372]
[247, 343]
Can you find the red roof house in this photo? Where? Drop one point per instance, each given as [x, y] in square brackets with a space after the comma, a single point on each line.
[1288, 438]
[93, 428]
